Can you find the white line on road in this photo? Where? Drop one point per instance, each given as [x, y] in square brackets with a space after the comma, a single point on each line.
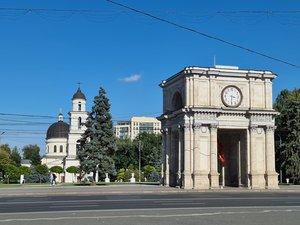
[152, 209]
[141, 216]
[144, 199]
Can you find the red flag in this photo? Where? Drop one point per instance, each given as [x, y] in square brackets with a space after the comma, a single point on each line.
[221, 154]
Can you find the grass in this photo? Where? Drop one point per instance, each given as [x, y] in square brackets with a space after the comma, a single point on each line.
[76, 184]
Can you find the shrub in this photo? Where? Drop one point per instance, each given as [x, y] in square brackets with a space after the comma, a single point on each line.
[57, 169]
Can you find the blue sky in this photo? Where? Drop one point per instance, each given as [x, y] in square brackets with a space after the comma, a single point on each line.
[44, 54]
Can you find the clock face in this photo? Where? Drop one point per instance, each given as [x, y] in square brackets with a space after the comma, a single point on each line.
[231, 96]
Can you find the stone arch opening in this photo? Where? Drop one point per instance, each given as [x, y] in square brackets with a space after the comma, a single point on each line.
[177, 102]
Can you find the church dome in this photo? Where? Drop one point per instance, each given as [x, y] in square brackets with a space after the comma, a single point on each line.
[79, 95]
[59, 129]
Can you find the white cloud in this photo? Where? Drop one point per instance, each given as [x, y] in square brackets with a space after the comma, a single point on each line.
[132, 78]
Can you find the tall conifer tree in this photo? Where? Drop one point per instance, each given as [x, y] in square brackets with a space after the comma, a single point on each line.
[98, 143]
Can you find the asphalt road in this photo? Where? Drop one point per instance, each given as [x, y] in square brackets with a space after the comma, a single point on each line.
[166, 208]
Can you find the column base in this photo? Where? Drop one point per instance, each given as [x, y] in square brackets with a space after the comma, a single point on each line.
[186, 181]
[272, 180]
[201, 180]
[257, 181]
[214, 180]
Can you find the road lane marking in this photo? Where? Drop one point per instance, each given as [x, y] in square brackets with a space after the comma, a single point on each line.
[141, 216]
[150, 209]
[71, 206]
[146, 199]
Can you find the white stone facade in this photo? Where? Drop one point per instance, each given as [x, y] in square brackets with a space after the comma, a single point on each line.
[200, 123]
[61, 150]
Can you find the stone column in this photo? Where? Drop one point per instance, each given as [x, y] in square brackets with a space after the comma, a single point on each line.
[256, 176]
[179, 156]
[214, 175]
[167, 165]
[271, 175]
[163, 157]
[186, 177]
[201, 156]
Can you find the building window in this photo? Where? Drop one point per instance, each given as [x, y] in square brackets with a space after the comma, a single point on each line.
[79, 123]
[61, 148]
[47, 149]
[55, 149]
[79, 106]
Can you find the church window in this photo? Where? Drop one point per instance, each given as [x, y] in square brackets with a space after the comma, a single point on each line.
[61, 148]
[79, 106]
[55, 149]
[79, 123]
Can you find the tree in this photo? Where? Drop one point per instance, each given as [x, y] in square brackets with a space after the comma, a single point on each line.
[98, 144]
[126, 154]
[151, 148]
[15, 156]
[5, 148]
[4, 161]
[287, 134]
[57, 169]
[11, 173]
[25, 170]
[32, 152]
[42, 170]
[74, 170]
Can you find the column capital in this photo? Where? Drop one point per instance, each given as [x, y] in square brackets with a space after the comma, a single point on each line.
[253, 128]
[213, 127]
[197, 126]
[270, 129]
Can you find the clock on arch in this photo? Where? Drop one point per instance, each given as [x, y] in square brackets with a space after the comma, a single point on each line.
[231, 96]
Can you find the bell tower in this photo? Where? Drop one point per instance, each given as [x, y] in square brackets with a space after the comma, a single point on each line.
[78, 117]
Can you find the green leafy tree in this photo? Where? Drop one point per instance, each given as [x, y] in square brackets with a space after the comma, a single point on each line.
[11, 173]
[4, 161]
[32, 152]
[151, 149]
[57, 169]
[98, 144]
[15, 156]
[5, 148]
[42, 170]
[73, 169]
[126, 154]
[25, 170]
[287, 134]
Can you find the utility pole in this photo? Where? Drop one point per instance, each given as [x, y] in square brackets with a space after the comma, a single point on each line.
[3, 132]
[139, 161]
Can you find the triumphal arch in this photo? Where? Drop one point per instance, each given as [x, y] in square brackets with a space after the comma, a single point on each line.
[218, 128]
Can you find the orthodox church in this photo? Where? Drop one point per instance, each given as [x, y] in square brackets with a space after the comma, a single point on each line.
[62, 138]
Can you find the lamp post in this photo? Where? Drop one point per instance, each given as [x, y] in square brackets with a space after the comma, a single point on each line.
[139, 161]
[3, 132]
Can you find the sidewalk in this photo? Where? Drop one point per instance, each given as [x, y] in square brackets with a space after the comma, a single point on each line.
[36, 190]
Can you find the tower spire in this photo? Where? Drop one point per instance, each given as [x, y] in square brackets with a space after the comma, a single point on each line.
[79, 85]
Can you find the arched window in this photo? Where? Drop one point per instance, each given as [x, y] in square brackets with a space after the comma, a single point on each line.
[177, 101]
[79, 123]
[47, 149]
[61, 148]
[79, 106]
[55, 149]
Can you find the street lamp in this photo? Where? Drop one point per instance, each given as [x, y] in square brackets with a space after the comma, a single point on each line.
[139, 161]
[3, 132]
